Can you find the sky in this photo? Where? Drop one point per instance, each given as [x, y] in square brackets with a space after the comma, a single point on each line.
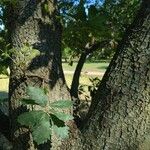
[1, 25]
[89, 2]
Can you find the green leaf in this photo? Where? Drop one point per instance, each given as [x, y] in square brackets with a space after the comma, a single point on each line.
[28, 101]
[42, 132]
[31, 118]
[46, 8]
[38, 95]
[63, 116]
[62, 104]
[39, 123]
[56, 121]
[62, 132]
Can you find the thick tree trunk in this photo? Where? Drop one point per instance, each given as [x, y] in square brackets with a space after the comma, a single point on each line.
[35, 26]
[119, 117]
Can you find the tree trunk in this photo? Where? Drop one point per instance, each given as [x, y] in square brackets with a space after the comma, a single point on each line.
[89, 49]
[119, 117]
[75, 82]
[34, 25]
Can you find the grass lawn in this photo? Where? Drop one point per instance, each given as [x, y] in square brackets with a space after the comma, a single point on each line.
[84, 79]
[88, 66]
[3, 86]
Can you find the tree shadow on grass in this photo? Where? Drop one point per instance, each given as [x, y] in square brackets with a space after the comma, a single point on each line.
[3, 95]
[4, 119]
[102, 67]
[4, 103]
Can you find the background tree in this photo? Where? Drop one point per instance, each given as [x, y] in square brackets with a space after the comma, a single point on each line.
[94, 29]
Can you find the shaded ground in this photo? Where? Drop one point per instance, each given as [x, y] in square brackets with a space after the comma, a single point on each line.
[3, 94]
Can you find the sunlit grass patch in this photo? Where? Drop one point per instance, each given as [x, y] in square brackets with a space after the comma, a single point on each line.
[94, 66]
[4, 81]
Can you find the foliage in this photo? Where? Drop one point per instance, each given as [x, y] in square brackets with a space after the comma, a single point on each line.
[4, 2]
[82, 92]
[4, 41]
[81, 27]
[4, 53]
[84, 23]
[94, 87]
[48, 119]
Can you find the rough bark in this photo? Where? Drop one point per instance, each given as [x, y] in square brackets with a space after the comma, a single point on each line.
[34, 26]
[119, 117]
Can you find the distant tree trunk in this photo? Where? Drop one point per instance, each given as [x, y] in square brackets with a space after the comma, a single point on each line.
[75, 82]
[89, 49]
[34, 25]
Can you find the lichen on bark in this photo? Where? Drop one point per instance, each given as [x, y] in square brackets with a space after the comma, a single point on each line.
[22, 57]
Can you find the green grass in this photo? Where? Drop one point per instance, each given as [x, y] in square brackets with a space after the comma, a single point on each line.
[84, 79]
[88, 67]
[95, 67]
[3, 86]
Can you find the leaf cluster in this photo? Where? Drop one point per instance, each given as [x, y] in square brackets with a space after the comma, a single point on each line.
[84, 22]
[43, 123]
[4, 53]
[5, 2]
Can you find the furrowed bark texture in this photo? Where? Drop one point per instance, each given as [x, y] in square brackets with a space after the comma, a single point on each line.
[119, 118]
[36, 26]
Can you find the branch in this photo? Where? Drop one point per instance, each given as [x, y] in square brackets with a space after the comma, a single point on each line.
[89, 48]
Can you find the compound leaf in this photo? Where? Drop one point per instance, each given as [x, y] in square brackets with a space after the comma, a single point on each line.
[62, 104]
[56, 121]
[42, 132]
[31, 118]
[28, 101]
[37, 95]
[62, 132]
[62, 116]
